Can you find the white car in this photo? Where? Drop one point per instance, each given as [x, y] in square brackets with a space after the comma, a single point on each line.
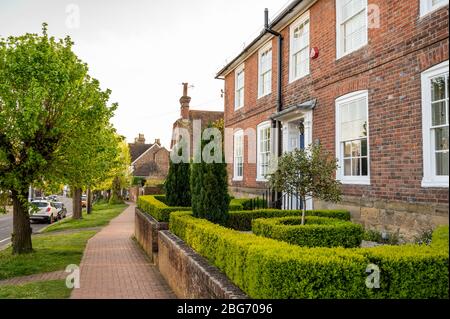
[43, 210]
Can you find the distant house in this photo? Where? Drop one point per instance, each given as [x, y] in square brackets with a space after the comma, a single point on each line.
[187, 117]
[149, 161]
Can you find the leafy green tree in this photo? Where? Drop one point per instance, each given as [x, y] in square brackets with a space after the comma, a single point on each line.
[177, 184]
[307, 172]
[209, 186]
[47, 103]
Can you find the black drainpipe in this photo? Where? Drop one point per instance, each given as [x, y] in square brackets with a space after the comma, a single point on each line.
[276, 124]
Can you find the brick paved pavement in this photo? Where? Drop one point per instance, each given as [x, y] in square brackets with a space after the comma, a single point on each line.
[114, 267]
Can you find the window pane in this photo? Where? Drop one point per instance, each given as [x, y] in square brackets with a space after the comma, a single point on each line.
[354, 120]
[347, 149]
[442, 164]
[439, 116]
[356, 167]
[441, 138]
[364, 147]
[438, 88]
[364, 170]
[347, 167]
[356, 148]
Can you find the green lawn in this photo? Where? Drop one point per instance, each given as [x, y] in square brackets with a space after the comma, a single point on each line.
[101, 215]
[54, 289]
[52, 252]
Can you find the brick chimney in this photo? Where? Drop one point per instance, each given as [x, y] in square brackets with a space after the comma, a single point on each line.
[184, 101]
[140, 139]
[158, 141]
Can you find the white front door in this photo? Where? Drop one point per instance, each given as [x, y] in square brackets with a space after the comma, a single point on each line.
[293, 138]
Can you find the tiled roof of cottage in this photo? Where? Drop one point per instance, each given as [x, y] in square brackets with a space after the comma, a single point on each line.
[137, 149]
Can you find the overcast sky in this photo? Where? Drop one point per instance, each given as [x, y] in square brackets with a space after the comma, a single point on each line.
[144, 49]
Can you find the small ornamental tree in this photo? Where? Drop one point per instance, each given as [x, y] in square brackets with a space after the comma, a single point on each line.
[177, 184]
[209, 181]
[309, 172]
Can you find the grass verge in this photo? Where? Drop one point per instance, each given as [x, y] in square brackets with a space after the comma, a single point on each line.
[51, 253]
[101, 215]
[53, 289]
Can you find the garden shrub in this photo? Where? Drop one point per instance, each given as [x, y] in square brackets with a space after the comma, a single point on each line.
[242, 220]
[267, 268]
[317, 231]
[249, 203]
[439, 238]
[177, 184]
[156, 206]
[152, 205]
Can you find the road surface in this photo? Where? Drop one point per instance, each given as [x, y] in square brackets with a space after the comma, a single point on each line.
[6, 222]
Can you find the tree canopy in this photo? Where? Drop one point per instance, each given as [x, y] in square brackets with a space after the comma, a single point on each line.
[54, 122]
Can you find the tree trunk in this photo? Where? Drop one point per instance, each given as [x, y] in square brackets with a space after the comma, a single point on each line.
[89, 201]
[21, 236]
[76, 200]
[303, 199]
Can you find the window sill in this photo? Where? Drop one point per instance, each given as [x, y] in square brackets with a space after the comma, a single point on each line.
[343, 55]
[298, 78]
[261, 96]
[354, 181]
[437, 184]
[428, 12]
[261, 179]
[238, 179]
[238, 108]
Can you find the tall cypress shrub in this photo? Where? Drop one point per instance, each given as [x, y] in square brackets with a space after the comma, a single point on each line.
[209, 188]
[177, 185]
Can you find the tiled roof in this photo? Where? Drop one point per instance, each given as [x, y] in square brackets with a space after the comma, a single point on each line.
[137, 149]
[205, 116]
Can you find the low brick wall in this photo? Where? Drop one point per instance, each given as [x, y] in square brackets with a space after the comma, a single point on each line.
[190, 275]
[146, 230]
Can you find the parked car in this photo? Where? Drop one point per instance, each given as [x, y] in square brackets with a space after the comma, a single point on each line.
[83, 201]
[61, 209]
[43, 210]
[53, 198]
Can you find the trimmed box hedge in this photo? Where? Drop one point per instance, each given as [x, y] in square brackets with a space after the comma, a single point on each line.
[155, 206]
[248, 203]
[242, 220]
[267, 268]
[317, 231]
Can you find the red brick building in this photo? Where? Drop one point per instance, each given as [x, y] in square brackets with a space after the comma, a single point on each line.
[190, 118]
[368, 79]
[149, 160]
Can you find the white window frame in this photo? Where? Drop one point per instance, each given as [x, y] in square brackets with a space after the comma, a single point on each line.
[263, 50]
[238, 134]
[357, 180]
[298, 22]
[430, 179]
[426, 6]
[259, 128]
[239, 69]
[340, 34]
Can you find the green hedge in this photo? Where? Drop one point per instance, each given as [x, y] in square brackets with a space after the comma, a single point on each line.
[242, 220]
[154, 205]
[440, 238]
[248, 203]
[317, 231]
[267, 268]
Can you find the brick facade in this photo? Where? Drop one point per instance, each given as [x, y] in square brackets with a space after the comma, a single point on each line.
[389, 67]
[149, 160]
[188, 116]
